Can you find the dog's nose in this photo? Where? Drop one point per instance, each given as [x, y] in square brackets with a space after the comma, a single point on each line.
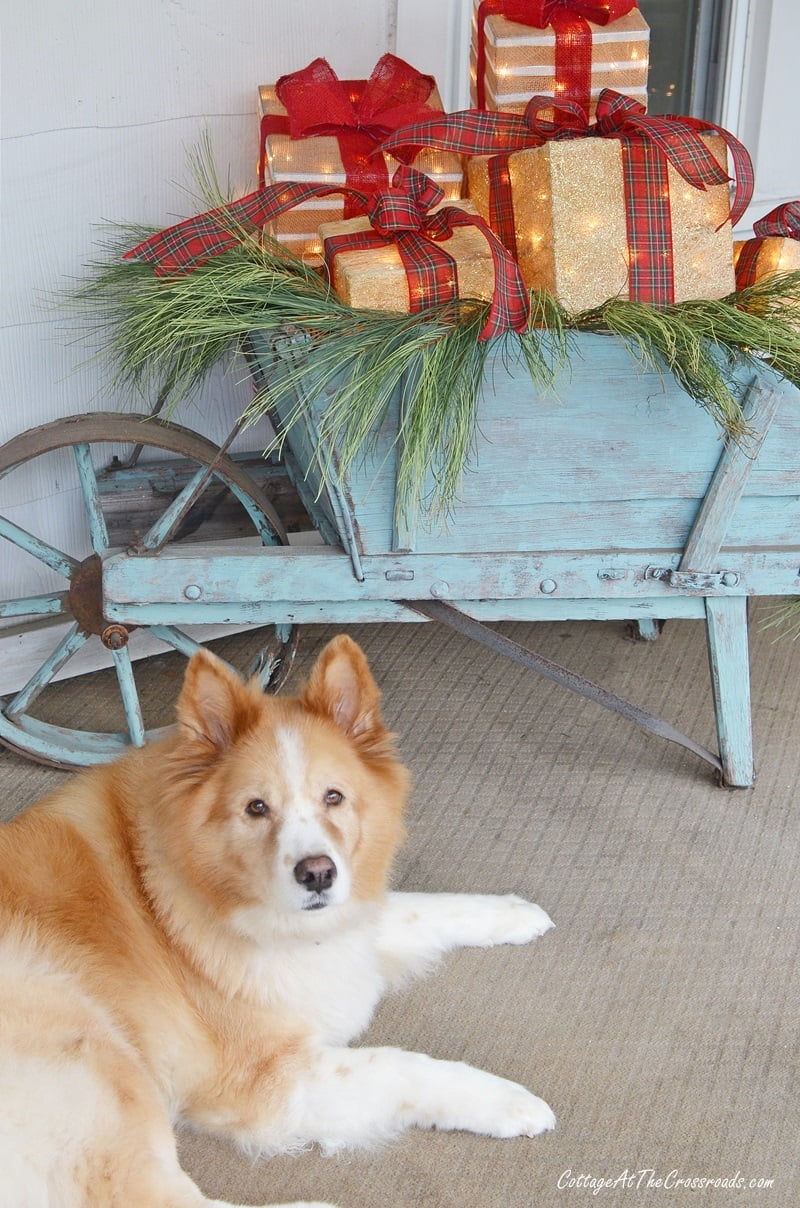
[315, 873]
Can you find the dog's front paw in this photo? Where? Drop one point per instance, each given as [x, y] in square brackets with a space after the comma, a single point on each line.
[305, 1204]
[522, 1114]
[507, 919]
[500, 1108]
[293, 1204]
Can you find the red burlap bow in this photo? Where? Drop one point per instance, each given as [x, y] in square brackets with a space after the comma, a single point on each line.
[358, 113]
[573, 38]
[649, 144]
[782, 222]
[405, 216]
[401, 215]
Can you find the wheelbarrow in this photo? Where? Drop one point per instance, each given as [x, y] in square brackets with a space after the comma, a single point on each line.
[610, 495]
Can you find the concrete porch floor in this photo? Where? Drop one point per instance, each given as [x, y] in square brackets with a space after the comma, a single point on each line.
[660, 1018]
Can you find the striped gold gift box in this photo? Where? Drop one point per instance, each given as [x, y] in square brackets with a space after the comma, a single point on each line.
[317, 160]
[520, 61]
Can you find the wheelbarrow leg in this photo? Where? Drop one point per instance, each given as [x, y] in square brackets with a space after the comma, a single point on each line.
[728, 656]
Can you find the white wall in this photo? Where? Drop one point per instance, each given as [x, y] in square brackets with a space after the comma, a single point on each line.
[101, 101]
[764, 91]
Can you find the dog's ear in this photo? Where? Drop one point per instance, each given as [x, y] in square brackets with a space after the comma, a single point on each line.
[214, 706]
[341, 687]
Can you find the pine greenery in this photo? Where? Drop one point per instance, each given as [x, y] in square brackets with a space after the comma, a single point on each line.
[163, 335]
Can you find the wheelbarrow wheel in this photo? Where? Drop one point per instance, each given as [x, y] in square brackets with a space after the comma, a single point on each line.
[94, 461]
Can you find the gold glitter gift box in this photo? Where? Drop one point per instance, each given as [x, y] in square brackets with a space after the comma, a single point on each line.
[521, 61]
[570, 222]
[317, 160]
[374, 278]
[777, 254]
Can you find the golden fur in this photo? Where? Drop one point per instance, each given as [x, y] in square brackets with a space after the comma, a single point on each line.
[165, 938]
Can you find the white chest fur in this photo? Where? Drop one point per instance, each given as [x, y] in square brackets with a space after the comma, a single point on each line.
[331, 980]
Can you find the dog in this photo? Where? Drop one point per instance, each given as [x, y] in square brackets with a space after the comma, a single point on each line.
[195, 932]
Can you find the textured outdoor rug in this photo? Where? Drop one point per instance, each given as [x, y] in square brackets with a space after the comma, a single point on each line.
[660, 1018]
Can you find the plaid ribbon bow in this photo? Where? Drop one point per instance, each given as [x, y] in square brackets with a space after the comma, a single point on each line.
[358, 113]
[401, 215]
[573, 38]
[404, 215]
[649, 143]
[782, 222]
[178, 249]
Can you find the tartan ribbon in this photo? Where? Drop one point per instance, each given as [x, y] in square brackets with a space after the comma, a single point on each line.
[401, 214]
[782, 222]
[569, 20]
[404, 215]
[477, 132]
[185, 246]
[649, 144]
[358, 113]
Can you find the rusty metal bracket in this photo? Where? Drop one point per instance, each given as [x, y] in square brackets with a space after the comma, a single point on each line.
[693, 580]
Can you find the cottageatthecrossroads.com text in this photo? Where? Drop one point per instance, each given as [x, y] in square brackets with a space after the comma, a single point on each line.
[651, 1180]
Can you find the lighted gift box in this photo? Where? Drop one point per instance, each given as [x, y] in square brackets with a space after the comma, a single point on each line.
[318, 160]
[571, 229]
[375, 279]
[775, 247]
[774, 255]
[521, 61]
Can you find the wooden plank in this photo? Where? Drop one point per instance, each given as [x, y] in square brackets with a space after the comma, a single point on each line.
[241, 580]
[726, 632]
[766, 521]
[730, 479]
[354, 612]
[610, 455]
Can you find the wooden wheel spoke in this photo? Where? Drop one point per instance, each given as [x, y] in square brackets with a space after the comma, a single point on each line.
[130, 695]
[56, 559]
[160, 532]
[72, 641]
[180, 641]
[52, 604]
[176, 638]
[87, 477]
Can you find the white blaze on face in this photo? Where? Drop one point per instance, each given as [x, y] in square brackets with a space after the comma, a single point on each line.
[303, 833]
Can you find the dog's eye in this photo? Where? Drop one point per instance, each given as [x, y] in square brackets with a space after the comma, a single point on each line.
[256, 808]
[334, 797]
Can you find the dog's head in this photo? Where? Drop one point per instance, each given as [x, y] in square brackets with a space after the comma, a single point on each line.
[283, 806]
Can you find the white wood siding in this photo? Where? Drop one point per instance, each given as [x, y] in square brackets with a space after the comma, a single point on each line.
[100, 103]
[762, 97]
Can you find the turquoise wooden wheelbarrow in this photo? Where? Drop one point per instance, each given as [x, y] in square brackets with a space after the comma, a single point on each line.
[609, 496]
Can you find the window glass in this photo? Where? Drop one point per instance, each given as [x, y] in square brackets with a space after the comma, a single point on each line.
[686, 37]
